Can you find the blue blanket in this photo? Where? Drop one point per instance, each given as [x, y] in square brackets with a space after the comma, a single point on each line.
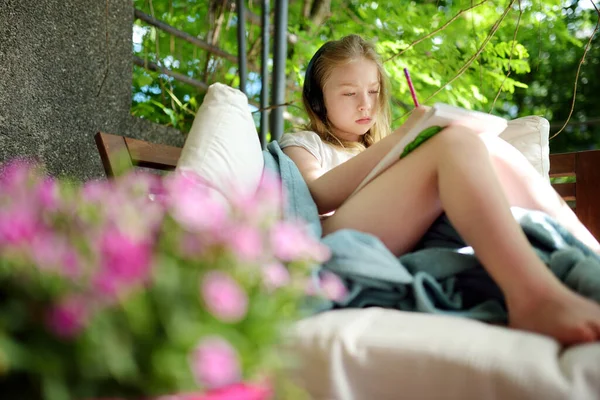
[442, 274]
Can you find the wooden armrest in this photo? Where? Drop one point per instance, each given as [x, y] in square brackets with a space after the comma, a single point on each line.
[119, 152]
[585, 191]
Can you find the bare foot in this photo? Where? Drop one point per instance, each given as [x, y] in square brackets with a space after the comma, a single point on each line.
[560, 313]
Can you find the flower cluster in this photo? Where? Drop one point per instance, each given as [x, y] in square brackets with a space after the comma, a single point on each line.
[145, 285]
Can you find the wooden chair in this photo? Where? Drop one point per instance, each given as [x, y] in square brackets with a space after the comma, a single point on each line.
[583, 195]
[119, 151]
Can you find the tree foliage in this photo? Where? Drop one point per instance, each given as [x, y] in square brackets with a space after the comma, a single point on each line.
[509, 57]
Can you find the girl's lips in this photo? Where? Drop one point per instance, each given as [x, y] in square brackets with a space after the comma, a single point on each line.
[363, 121]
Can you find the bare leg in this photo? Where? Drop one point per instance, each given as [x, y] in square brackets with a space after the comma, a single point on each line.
[453, 172]
[528, 189]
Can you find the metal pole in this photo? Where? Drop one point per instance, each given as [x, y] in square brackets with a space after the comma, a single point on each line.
[264, 91]
[279, 58]
[241, 36]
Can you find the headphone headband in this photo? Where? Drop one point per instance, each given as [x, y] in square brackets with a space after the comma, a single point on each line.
[313, 60]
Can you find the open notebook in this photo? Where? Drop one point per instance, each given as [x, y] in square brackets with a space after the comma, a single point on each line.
[440, 115]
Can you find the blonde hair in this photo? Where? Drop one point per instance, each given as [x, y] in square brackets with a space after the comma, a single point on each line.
[330, 56]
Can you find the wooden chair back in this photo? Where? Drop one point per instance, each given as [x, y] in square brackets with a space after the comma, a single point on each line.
[115, 150]
[583, 194]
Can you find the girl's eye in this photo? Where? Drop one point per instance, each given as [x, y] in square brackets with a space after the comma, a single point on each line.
[374, 91]
[348, 94]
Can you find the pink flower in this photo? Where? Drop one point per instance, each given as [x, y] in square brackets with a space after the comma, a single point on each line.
[140, 219]
[48, 195]
[140, 184]
[270, 190]
[46, 252]
[224, 298]
[266, 202]
[246, 242]
[71, 263]
[291, 242]
[320, 253]
[96, 191]
[17, 174]
[194, 205]
[332, 286]
[237, 391]
[67, 318]
[287, 241]
[52, 252]
[275, 275]
[215, 364]
[125, 262]
[19, 225]
[192, 245]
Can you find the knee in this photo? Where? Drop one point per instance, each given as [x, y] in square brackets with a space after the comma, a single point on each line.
[461, 140]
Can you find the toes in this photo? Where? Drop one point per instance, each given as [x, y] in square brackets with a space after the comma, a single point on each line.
[583, 333]
[590, 334]
[596, 329]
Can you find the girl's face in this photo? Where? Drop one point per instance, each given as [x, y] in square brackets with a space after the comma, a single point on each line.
[351, 96]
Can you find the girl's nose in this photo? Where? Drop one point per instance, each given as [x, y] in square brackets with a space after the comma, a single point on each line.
[365, 102]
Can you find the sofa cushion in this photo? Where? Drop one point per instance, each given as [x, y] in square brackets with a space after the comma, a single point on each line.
[223, 145]
[530, 136]
[381, 354]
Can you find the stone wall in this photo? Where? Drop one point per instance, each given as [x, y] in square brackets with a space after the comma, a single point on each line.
[65, 74]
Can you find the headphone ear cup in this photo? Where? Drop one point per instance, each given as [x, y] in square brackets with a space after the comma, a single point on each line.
[312, 91]
[314, 95]
[316, 106]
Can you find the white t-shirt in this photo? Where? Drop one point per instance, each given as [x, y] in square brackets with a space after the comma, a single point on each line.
[327, 155]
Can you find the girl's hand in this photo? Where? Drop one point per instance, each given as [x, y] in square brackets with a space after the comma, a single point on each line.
[419, 111]
[416, 114]
[414, 117]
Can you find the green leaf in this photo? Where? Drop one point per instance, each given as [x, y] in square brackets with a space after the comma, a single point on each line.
[144, 80]
[54, 388]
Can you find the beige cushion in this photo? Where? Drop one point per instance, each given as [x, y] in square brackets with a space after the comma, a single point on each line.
[530, 136]
[223, 144]
[376, 353]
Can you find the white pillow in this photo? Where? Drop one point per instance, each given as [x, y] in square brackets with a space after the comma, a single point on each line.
[223, 145]
[377, 353]
[530, 136]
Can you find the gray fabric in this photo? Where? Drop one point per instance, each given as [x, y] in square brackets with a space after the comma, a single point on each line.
[441, 275]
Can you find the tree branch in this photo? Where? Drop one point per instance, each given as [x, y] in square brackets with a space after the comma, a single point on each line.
[470, 60]
[437, 30]
[320, 10]
[485, 42]
[512, 48]
[587, 47]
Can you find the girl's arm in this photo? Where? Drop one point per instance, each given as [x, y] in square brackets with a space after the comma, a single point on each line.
[329, 190]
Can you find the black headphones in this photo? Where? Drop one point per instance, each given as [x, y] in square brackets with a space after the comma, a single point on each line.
[312, 91]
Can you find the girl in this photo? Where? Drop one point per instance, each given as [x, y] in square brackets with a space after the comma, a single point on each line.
[472, 178]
